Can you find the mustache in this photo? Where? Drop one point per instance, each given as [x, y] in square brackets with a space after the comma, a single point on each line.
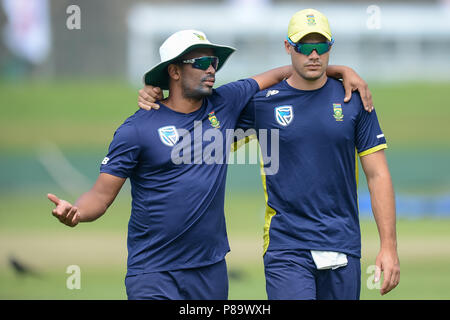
[209, 78]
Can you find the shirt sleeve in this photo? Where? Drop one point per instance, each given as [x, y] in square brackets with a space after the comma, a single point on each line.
[238, 93]
[369, 137]
[123, 152]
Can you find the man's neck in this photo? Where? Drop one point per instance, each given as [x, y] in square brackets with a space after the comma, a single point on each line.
[181, 104]
[298, 82]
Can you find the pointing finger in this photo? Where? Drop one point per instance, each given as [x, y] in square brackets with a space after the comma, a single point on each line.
[53, 198]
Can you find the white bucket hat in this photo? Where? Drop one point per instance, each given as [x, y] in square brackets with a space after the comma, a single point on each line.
[178, 44]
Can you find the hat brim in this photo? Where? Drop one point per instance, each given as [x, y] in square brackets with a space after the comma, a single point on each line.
[158, 77]
[296, 37]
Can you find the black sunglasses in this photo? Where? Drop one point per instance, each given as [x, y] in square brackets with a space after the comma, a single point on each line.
[203, 63]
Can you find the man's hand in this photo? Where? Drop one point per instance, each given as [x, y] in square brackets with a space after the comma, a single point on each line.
[387, 262]
[148, 96]
[352, 82]
[64, 211]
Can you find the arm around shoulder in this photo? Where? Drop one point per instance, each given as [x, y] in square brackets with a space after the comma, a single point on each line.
[272, 77]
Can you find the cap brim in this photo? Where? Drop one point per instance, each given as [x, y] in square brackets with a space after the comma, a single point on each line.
[296, 37]
[158, 77]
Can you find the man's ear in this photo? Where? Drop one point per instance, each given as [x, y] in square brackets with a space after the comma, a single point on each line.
[287, 47]
[174, 71]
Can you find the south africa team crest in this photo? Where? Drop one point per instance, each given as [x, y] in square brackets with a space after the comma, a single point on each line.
[337, 112]
[215, 123]
[310, 20]
[199, 36]
[284, 115]
[168, 135]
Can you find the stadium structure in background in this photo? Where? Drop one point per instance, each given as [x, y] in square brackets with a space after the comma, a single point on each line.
[383, 42]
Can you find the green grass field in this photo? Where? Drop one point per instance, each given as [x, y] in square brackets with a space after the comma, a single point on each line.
[99, 249]
[80, 118]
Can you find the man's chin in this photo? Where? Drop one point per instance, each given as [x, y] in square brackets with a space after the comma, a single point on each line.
[207, 90]
[313, 75]
[199, 94]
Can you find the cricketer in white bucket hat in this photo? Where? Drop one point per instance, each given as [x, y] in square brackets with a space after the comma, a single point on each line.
[174, 47]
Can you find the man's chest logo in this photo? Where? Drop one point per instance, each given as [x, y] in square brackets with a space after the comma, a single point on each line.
[337, 112]
[168, 135]
[284, 115]
[215, 123]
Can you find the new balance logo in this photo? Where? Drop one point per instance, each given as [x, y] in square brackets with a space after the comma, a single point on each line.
[271, 93]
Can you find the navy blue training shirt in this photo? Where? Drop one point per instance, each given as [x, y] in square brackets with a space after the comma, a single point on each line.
[177, 218]
[311, 201]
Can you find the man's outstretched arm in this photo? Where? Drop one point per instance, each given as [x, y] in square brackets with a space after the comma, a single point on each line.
[91, 205]
[383, 207]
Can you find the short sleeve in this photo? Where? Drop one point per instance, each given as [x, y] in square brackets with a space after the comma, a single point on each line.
[238, 93]
[369, 137]
[123, 152]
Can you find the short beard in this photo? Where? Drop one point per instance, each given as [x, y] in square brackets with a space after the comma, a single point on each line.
[310, 78]
[195, 94]
[307, 77]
